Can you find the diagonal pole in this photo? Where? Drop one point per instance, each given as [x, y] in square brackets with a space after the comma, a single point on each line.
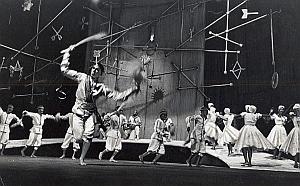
[203, 29]
[42, 30]
[193, 83]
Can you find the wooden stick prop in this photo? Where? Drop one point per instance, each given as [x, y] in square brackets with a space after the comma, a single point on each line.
[97, 36]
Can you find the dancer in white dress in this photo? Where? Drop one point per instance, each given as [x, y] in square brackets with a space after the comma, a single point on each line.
[278, 134]
[292, 143]
[230, 134]
[212, 132]
[250, 137]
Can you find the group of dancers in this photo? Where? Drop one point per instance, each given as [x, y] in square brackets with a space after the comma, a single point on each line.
[248, 138]
[84, 120]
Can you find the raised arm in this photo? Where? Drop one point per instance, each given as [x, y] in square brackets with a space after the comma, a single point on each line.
[102, 90]
[64, 68]
[18, 122]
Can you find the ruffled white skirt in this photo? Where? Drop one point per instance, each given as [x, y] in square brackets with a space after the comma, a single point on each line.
[250, 136]
[292, 143]
[277, 135]
[230, 135]
[212, 131]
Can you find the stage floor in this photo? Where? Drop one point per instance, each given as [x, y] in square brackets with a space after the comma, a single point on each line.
[52, 171]
[261, 160]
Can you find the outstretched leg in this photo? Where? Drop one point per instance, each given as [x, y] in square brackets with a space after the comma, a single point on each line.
[189, 160]
[33, 152]
[156, 158]
[113, 156]
[63, 154]
[85, 147]
[2, 150]
[74, 153]
[102, 153]
[23, 150]
[200, 155]
[141, 157]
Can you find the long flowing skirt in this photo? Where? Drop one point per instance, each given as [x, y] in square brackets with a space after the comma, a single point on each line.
[212, 131]
[277, 135]
[250, 136]
[292, 143]
[230, 135]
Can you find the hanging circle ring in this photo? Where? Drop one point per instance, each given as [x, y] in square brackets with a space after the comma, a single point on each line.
[275, 80]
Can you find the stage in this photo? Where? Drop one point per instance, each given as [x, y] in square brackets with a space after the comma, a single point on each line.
[176, 154]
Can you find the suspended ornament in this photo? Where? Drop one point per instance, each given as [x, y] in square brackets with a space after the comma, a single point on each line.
[57, 33]
[16, 68]
[60, 93]
[246, 13]
[158, 94]
[237, 69]
[83, 22]
[27, 5]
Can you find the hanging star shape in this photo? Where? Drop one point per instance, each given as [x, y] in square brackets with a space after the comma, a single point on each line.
[237, 69]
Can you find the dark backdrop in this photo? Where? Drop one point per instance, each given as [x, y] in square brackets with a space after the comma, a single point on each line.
[17, 28]
[254, 84]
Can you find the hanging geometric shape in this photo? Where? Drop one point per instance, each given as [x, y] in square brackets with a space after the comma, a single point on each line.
[158, 94]
[275, 80]
[83, 23]
[237, 69]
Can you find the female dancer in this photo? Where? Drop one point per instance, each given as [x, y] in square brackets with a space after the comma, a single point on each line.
[230, 134]
[212, 131]
[278, 133]
[250, 137]
[292, 143]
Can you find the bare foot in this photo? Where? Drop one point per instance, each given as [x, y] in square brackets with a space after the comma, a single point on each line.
[100, 155]
[22, 153]
[62, 157]
[141, 159]
[112, 160]
[81, 162]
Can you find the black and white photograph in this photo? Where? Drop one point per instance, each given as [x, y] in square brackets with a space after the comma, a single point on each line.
[149, 92]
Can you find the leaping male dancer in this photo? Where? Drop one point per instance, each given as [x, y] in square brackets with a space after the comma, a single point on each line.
[91, 87]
